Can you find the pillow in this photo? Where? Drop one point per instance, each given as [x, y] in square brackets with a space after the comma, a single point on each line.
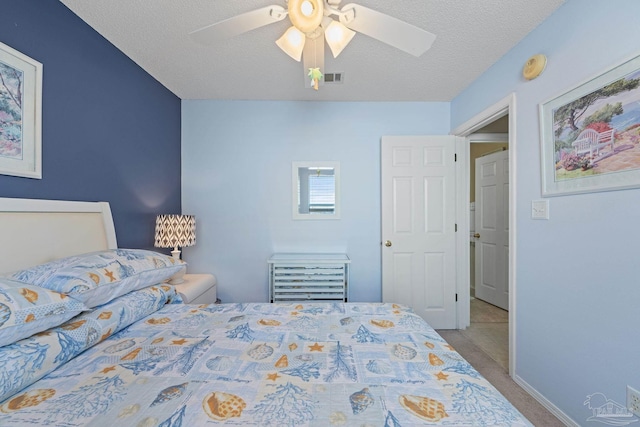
[97, 278]
[25, 362]
[26, 310]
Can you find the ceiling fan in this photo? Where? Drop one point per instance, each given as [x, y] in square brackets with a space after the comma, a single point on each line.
[313, 19]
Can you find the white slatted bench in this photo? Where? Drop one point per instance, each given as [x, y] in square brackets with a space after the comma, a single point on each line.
[590, 141]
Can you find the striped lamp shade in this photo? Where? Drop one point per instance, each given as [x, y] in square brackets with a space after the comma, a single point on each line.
[173, 231]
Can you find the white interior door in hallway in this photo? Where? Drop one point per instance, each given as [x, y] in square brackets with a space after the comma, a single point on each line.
[492, 229]
[418, 226]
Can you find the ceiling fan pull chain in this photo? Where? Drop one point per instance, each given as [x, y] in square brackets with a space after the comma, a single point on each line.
[315, 75]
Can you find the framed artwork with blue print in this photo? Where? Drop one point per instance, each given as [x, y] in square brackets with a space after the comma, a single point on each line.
[20, 114]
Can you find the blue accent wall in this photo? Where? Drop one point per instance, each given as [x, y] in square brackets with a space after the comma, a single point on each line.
[110, 131]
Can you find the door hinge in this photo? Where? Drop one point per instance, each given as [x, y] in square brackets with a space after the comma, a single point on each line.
[456, 297]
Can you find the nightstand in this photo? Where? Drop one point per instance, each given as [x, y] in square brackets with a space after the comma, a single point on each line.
[198, 289]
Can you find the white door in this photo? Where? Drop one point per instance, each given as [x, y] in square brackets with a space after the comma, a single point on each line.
[418, 226]
[492, 229]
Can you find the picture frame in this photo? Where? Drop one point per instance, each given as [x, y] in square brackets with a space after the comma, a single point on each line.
[20, 114]
[590, 135]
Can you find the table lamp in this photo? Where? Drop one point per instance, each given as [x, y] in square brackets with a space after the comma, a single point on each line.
[175, 231]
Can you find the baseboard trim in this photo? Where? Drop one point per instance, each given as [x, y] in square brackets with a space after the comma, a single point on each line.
[545, 402]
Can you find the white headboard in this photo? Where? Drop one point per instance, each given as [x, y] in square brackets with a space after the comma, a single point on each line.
[36, 231]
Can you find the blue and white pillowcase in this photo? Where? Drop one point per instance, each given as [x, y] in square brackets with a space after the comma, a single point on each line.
[27, 309]
[26, 361]
[97, 278]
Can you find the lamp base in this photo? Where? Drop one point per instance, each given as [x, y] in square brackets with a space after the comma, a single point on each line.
[177, 278]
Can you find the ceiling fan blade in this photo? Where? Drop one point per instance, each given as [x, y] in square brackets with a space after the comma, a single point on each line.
[387, 29]
[239, 24]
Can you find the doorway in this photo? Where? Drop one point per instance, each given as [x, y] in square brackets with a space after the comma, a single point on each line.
[490, 230]
[504, 109]
[488, 240]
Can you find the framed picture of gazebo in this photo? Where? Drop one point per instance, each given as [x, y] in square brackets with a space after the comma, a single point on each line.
[590, 135]
[20, 114]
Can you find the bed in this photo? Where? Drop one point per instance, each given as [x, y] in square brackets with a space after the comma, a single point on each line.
[137, 356]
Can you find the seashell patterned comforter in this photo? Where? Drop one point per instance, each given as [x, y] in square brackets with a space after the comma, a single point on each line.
[316, 364]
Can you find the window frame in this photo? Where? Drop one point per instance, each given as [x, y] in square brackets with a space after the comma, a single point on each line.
[295, 185]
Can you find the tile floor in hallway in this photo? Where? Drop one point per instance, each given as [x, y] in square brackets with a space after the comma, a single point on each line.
[489, 330]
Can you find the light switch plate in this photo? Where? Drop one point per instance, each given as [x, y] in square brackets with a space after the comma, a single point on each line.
[539, 209]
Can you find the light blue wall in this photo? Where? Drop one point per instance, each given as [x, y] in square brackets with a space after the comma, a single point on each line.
[577, 274]
[236, 179]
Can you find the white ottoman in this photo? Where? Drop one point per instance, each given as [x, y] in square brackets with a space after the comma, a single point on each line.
[198, 289]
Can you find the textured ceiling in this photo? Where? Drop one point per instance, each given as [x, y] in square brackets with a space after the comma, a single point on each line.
[471, 36]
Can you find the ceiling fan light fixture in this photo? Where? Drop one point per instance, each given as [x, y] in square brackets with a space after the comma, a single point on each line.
[306, 15]
[316, 22]
[338, 37]
[292, 43]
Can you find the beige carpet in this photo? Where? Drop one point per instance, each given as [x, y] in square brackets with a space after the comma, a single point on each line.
[485, 344]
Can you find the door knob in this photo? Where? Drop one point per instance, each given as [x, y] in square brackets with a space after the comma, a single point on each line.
[477, 235]
[387, 243]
